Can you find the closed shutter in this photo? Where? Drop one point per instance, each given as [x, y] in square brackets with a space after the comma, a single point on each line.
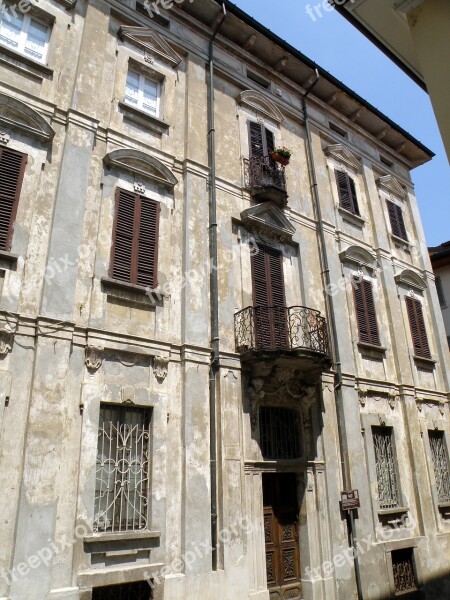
[396, 219]
[12, 168]
[262, 141]
[365, 312]
[417, 325]
[347, 192]
[269, 298]
[134, 254]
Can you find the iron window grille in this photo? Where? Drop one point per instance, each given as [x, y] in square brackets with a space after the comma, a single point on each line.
[122, 471]
[403, 570]
[439, 457]
[386, 467]
[279, 433]
[138, 590]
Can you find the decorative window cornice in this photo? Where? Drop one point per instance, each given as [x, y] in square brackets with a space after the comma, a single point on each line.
[359, 256]
[261, 104]
[343, 155]
[268, 223]
[391, 185]
[410, 279]
[151, 42]
[142, 165]
[16, 115]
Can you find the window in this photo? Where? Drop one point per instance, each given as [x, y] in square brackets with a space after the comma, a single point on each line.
[280, 433]
[417, 325]
[258, 79]
[403, 570]
[386, 161]
[25, 34]
[386, 467]
[439, 457]
[396, 219]
[138, 590]
[122, 471]
[134, 253]
[12, 168]
[440, 292]
[143, 92]
[365, 312]
[347, 192]
[337, 129]
[262, 142]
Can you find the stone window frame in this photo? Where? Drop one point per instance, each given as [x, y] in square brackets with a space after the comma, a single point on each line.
[429, 423]
[408, 544]
[420, 295]
[376, 420]
[334, 165]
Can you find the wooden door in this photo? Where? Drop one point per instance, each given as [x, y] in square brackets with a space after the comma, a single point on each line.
[281, 536]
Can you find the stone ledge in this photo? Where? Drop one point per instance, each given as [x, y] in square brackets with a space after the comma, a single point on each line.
[10, 259]
[425, 363]
[137, 294]
[140, 117]
[123, 536]
[24, 63]
[354, 219]
[371, 348]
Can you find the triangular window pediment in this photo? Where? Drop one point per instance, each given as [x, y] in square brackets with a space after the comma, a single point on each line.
[260, 104]
[16, 115]
[151, 42]
[343, 155]
[141, 165]
[268, 220]
[391, 185]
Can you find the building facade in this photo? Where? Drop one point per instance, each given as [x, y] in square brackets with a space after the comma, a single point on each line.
[201, 347]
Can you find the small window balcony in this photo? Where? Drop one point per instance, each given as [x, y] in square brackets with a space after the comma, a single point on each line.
[270, 332]
[266, 179]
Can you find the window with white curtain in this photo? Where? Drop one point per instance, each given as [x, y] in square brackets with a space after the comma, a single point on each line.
[143, 92]
[25, 34]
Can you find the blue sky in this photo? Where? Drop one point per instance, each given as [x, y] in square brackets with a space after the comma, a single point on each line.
[340, 49]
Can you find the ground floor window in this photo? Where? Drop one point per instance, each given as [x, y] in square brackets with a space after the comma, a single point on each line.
[138, 590]
[403, 570]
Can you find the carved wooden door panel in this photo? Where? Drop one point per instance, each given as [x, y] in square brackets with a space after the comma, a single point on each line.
[281, 536]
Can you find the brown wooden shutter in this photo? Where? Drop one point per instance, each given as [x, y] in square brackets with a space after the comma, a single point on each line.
[365, 312]
[134, 253]
[262, 141]
[417, 325]
[12, 168]
[347, 192]
[396, 218]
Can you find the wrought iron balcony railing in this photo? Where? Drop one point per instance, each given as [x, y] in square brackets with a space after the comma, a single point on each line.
[280, 328]
[265, 177]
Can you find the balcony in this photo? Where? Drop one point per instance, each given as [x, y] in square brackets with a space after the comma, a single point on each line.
[266, 179]
[282, 334]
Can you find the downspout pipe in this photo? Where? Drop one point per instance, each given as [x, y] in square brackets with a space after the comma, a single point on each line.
[214, 290]
[346, 481]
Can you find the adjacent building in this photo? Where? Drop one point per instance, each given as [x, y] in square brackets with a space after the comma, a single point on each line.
[440, 261]
[202, 347]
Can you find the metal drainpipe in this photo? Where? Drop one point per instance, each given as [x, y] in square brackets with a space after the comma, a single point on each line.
[214, 366]
[331, 317]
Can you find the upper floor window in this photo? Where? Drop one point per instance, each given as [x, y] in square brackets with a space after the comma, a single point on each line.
[143, 92]
[417, 325]
[347, 192]
[386, 466]
[365, 311]
[396, 219]
[25, 34]
[134, 253]
[440, 292]
[122, 472]
[262, 141]
[12, 168]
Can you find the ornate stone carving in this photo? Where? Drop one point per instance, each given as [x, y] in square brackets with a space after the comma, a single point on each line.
[268, 223]
[160, 367]
[6, 339]
[93, 357]
[149, 58]
[4, 138]
[139, 188]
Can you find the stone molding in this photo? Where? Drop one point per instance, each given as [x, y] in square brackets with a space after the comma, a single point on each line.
[142, 165]
[268, 223]
[410, 279]
[6, 339]
[160, 367]
[93, 357]
[261, 104]
[151, 42]
[392, 186]
[16, 115]
[359, 256]
[343, 155]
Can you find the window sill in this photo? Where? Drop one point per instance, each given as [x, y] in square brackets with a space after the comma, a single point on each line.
[136, 294]
[140, 117]
[371, 348]
[9, 258]
[352, 218]
[24, 64]
[398, 241]
[67, 3]
[123, 536]
[393, 511]
[427, 363]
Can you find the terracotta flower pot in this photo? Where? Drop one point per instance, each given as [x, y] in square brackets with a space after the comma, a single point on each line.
[281, 159]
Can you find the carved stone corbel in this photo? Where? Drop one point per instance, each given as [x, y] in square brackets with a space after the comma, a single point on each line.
[256, 395]
[6, 339]
[4, 138]
[160, 367]
[363, 392]
[93, 357]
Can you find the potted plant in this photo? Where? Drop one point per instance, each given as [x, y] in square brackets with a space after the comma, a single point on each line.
[282, 155]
